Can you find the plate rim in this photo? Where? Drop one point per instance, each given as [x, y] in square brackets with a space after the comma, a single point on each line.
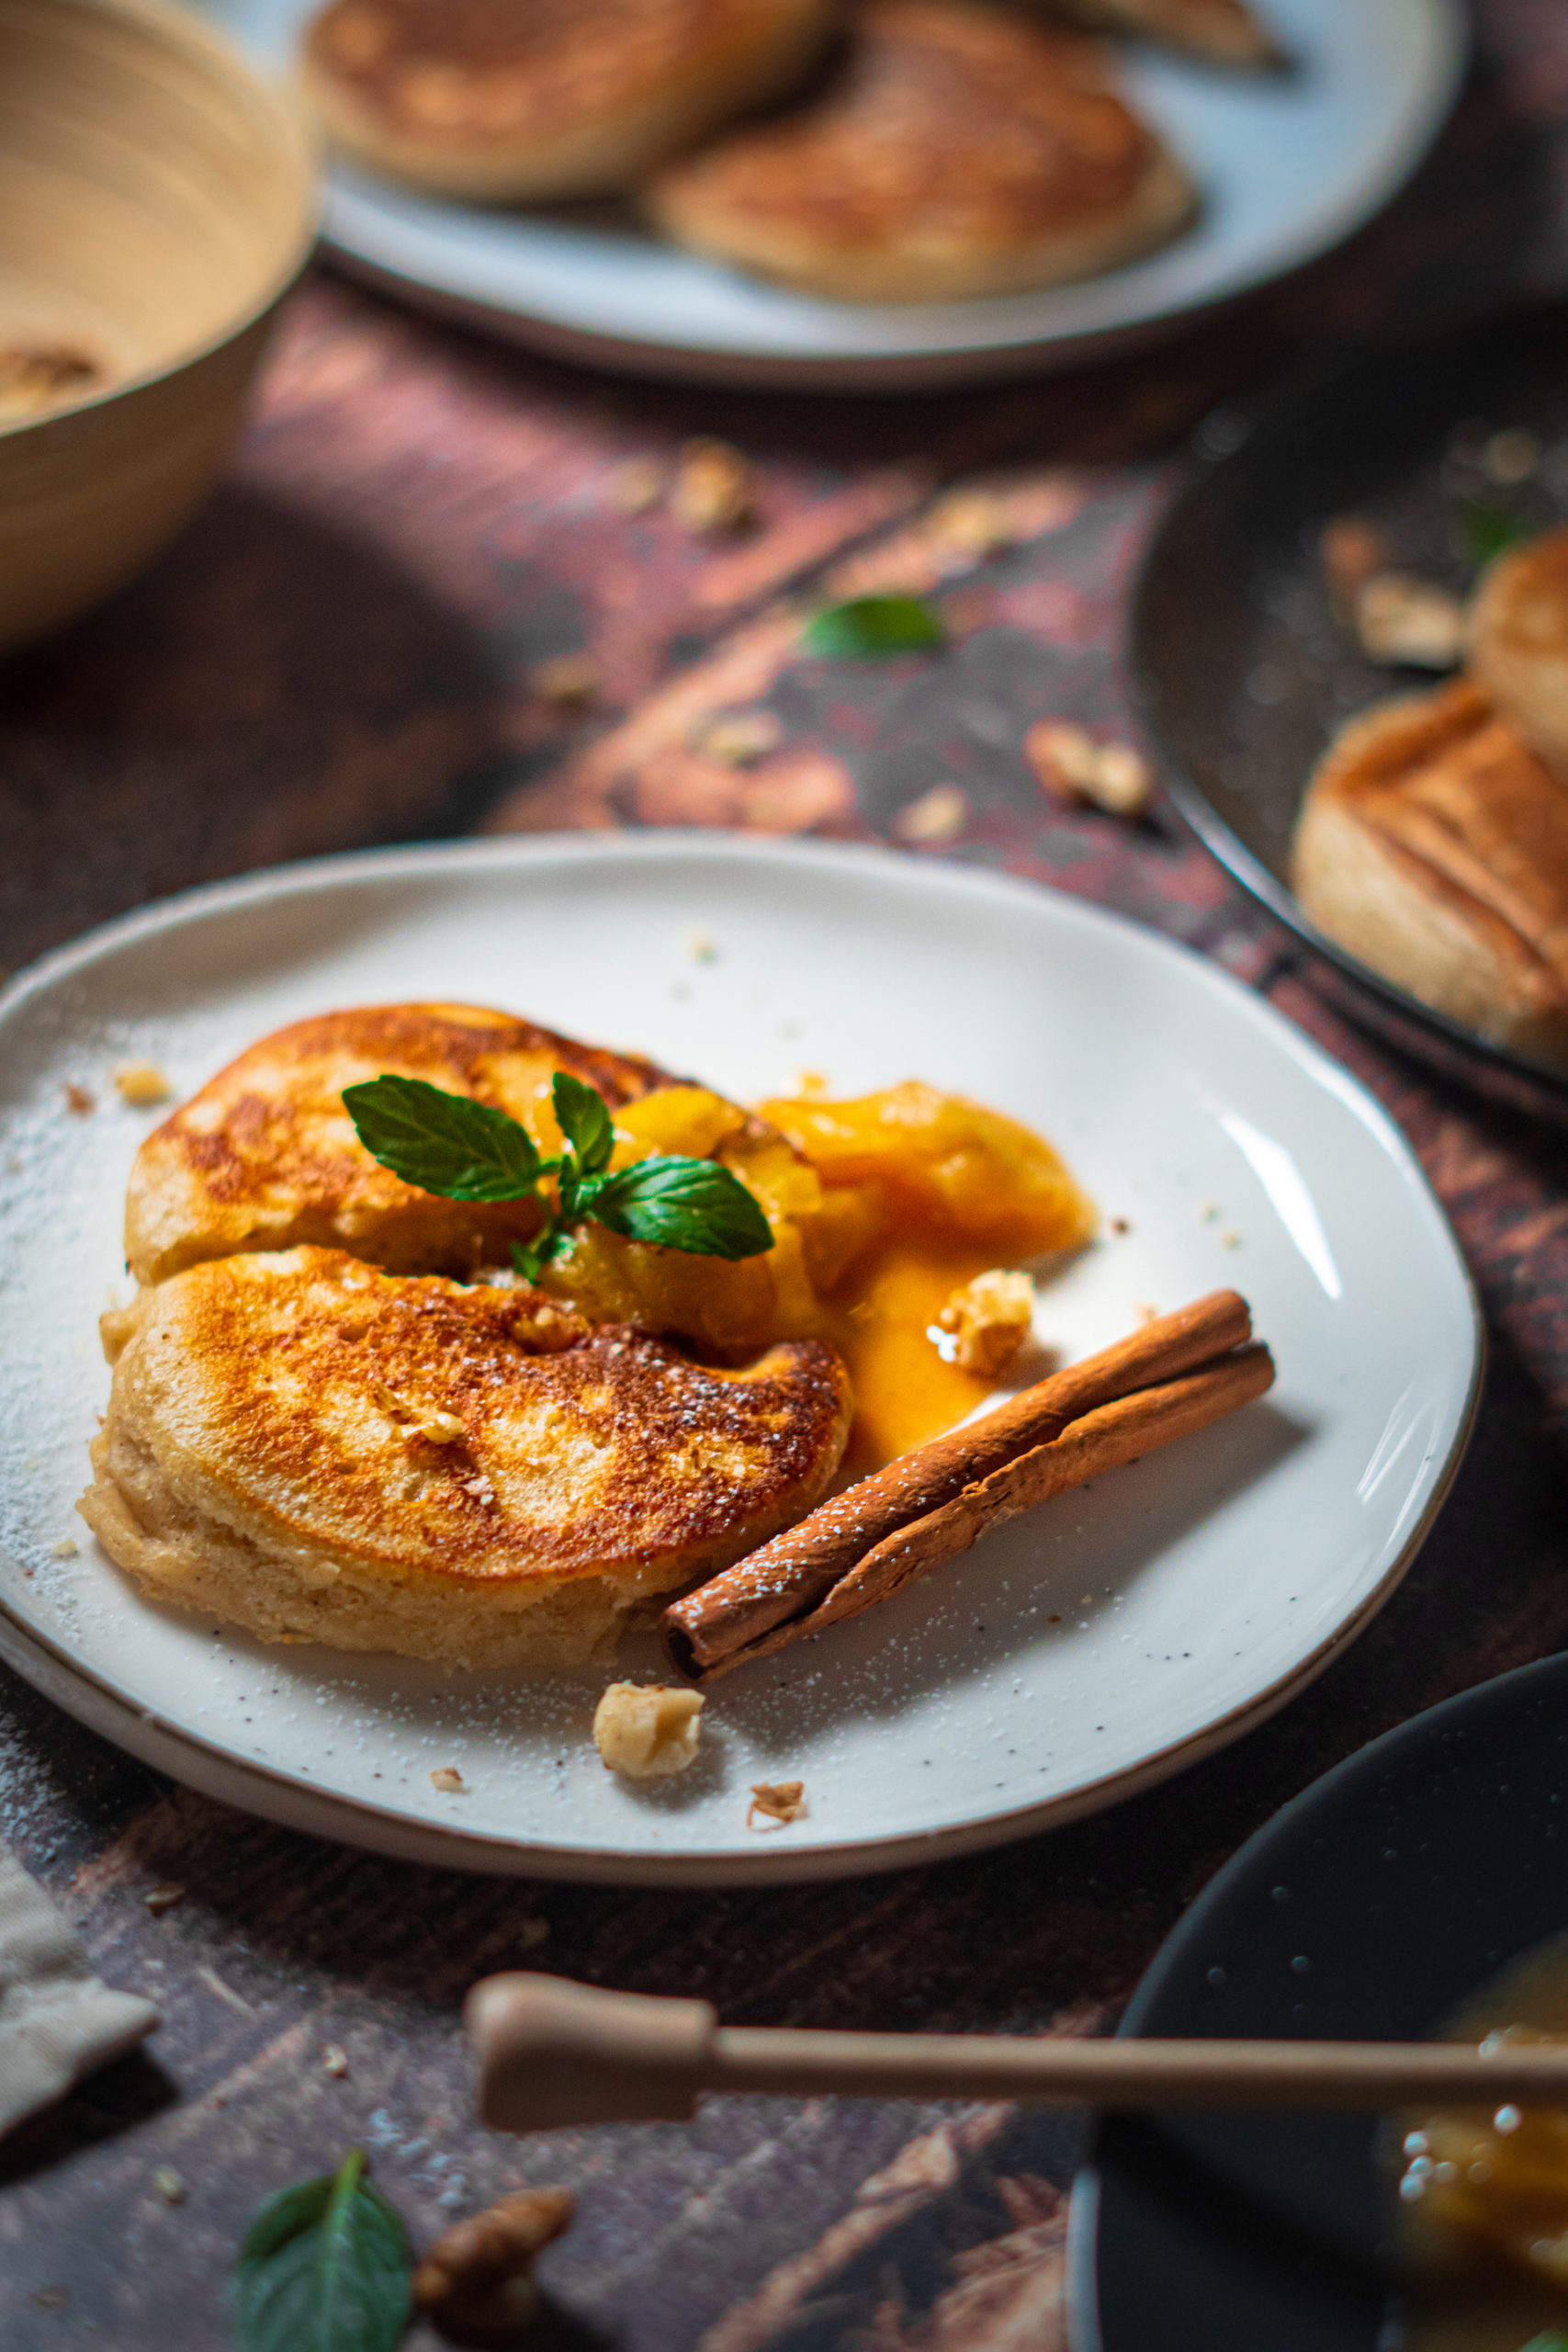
[91, 1697]
[1427, 101]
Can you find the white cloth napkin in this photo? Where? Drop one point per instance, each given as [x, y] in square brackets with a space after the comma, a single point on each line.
[58, 2022]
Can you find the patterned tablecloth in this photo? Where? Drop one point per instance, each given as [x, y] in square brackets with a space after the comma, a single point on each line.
[347, 648]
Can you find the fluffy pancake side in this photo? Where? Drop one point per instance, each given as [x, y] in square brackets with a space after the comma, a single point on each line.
[318, 1452]
[266, 1156]
[1518, 643]
[1433, 844]
[519, 100]
[959, 150]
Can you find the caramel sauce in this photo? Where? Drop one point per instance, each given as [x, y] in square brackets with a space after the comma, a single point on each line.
[904, 1391]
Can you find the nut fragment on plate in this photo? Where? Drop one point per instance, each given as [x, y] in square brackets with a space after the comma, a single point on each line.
[477, 2281]
[738, 739]
[712, 490]
[938, 817]
[1400, 618]
[779, 1801]
[141, 1084]
[36, 377]
[1068, 760]
[646, 1731]
[447, 1780]
[567, 681]
[984, 1324]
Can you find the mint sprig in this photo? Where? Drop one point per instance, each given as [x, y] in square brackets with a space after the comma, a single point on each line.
[867, 628]
[464, 1151]
[324, 2267]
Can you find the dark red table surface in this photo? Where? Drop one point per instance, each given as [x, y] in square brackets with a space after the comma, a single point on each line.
[343, 649]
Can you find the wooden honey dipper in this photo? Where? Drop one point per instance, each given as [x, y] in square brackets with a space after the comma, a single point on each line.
[553, 2053]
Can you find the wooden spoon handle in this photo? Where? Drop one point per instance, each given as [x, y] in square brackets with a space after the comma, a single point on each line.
[552, 2053]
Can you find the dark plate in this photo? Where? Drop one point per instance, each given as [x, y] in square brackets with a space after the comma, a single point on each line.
[1241, 670]
[1368, 1907]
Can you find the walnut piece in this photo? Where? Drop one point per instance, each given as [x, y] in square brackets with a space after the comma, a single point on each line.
[141, 1084]
[646, 1731]
[984, 1325]
[568, 680]
[448, 1780]
[938, 817]
[781, 1801]
[712, 490]
[1400, 618]
[1068, 760]
[36, 377]
[477, 2281]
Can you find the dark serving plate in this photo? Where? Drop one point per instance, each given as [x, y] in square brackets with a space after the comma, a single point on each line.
[1371, 1905]
[1241, 671]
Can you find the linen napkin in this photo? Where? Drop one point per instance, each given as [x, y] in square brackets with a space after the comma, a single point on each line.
[58, 2021]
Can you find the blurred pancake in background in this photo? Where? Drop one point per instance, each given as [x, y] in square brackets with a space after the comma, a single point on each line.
[528, 100]
[1518, 643]
[1225, 30]
[958, 151]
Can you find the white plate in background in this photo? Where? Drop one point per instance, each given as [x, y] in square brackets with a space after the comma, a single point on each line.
[1085, 1650]
[1289, 164]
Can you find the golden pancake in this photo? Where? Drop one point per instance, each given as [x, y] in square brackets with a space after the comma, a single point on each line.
[1433, 844]
[318, 1452]
[958, 151]
[1518, 643]
[266, 1156]
[1225, 30]
[528, 100]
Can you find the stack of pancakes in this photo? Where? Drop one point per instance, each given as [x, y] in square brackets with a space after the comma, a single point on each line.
[334, 1419]
[1433, 841]
[926, 149]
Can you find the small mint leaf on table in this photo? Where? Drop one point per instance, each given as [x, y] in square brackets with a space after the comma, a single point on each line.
[1488, 533]
[324, 2267]
[584, 1120]
[693, 1204]
[868, 628]
[445, 1143]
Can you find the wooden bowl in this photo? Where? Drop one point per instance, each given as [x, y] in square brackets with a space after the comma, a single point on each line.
[156, 201]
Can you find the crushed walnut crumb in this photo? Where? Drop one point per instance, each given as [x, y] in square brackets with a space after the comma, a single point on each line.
[477, 2280]
[738, 739]
[77, 1099]
[141, 1084]
[334, 2060]
[938, 817]
[781, 1801]
[984, 1324]
[567, 681]
[1069, 761]
[159, 1899]
[66, 1548]
[1350, 550]
[170, 2185]
[646, 1731]
[1408, 621]
[37, 376]
[448, 1780]
[712, 491]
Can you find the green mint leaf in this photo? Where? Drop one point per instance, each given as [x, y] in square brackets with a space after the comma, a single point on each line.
[324, 2267]
[584, 1122]
[444, 1143]
[691, 1204]
[870, 627]
[531, 1260]
[1487, 533]
[1553, 2340]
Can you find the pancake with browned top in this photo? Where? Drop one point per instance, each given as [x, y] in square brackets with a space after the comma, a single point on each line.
[1518, 643]
[1433, 844]
[528, 100]
[960, 151]
[265, 1155]
[317, 1451]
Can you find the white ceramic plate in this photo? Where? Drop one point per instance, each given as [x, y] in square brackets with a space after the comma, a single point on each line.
[1085, 1651]
[1288, 166]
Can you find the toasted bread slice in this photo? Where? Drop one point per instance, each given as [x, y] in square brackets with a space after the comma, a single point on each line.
[1518, 643]
[961, 150]
[1225, 30]
[317, 1451]
[532, 100]
[266, 1156]
[1433, 844]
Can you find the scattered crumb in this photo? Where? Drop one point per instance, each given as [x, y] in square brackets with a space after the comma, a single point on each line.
[439, 1429]
[810, 1081]
[1350, 551]
[477, 2280]
[159, 1899]
[1509, 456]
[66, 1548]
[781, 1801]
[334, 2060]
[534, 1933]
[1068, 760]
[1208, 1211]
[36, 377]
[1402, 619]
[216, 1986]
[738, 739]
[568, 681]
[712, 490]
[448, 1780]
[646, 1731]
[52, 2299]
[701, 946]
[169, 2184]
[971, 522]
[1230, 1238]
[1146, 1314]
[937, 817]
[1119, 1225]
[984, 1322]
[638, 484]
[141, 1084]
[77, 1099]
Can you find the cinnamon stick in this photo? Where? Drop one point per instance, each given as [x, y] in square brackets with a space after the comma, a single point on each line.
[788, 1580]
